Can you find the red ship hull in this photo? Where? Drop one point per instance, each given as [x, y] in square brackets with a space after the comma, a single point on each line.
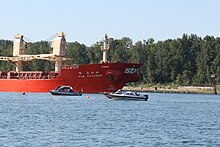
[88, 78]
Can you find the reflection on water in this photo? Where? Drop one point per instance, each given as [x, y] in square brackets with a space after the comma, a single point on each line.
[40, 119]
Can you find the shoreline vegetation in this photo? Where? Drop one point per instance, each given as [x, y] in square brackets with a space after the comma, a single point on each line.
[174, 89]
[187, 60]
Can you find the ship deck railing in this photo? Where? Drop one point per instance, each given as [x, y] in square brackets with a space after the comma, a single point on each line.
[70, 66]
[28, 75]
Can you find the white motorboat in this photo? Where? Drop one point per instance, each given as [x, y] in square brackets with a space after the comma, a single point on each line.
[127, 95]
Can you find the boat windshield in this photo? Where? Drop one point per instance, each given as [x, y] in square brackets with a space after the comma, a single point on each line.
[57, 88]
[129, 93]
[119, 92]
[64, 89]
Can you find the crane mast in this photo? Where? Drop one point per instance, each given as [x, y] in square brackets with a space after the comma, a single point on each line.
[105, 48]
[20, 56]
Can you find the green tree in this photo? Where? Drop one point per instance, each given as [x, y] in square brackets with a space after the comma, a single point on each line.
[77, 53]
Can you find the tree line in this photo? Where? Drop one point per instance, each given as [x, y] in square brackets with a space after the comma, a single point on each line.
[190, 60]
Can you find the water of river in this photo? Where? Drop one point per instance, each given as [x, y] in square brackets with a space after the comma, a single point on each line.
[40, 119]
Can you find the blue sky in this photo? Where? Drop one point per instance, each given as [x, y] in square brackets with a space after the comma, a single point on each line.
[86, 21]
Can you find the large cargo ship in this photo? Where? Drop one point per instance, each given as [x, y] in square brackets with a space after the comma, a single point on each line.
[88, 78]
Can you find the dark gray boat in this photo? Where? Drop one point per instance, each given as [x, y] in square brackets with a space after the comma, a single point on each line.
[65, 90]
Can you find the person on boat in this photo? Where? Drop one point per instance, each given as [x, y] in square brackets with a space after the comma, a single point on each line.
[66, 90]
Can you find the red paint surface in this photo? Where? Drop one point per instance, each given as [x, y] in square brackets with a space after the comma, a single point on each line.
[88, 78]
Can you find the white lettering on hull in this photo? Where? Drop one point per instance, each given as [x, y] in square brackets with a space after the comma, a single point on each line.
[130, 70]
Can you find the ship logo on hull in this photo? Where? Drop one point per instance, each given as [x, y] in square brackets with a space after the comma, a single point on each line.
[130, 70]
